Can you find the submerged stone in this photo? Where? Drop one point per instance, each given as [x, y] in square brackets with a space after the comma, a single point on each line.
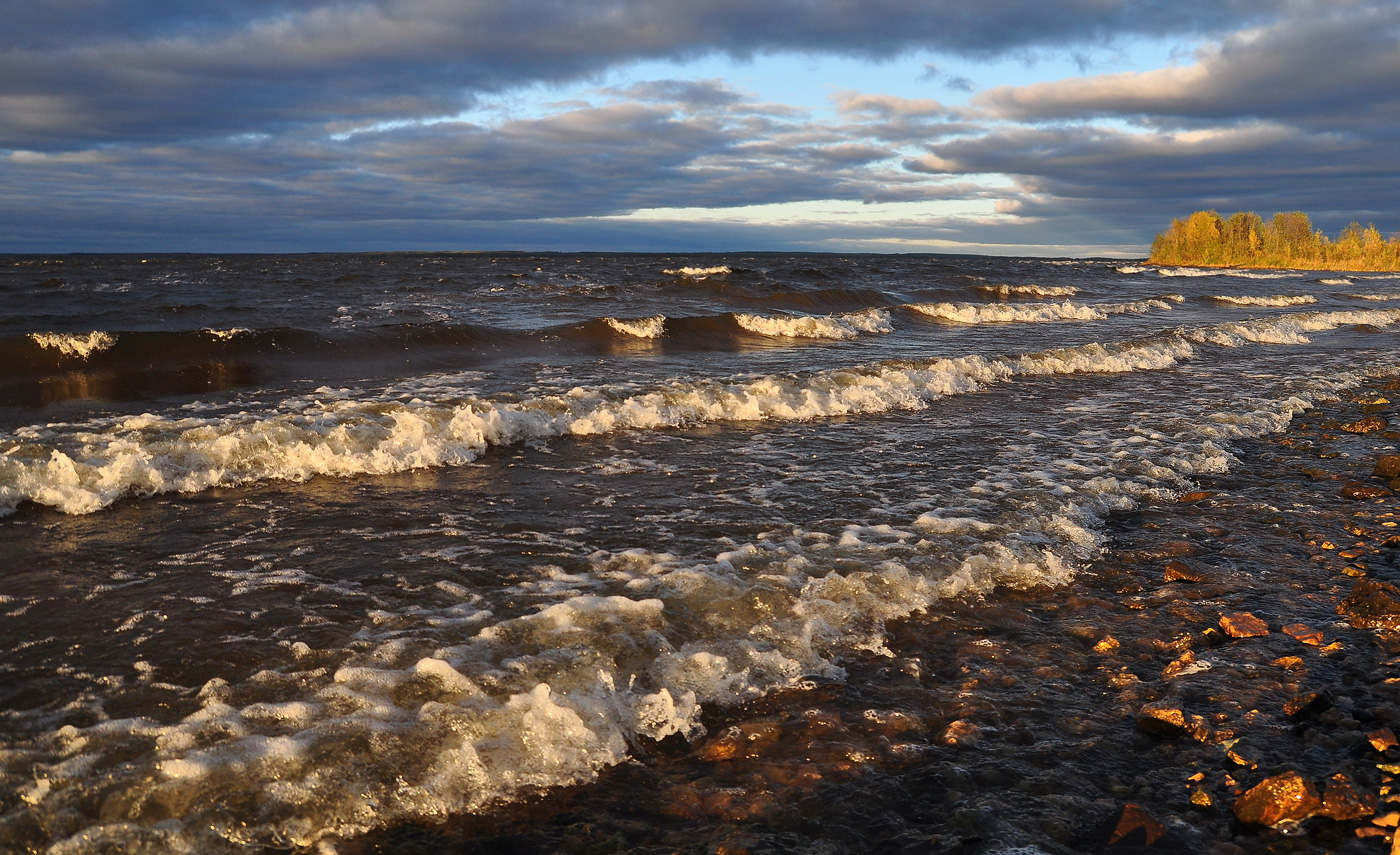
[1243, 625]
[1366, 424]
[1387, 467]
[1372, 605]
[1281, 798]
[1342, 801]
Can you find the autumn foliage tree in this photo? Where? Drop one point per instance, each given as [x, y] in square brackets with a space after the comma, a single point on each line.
[1287, 240]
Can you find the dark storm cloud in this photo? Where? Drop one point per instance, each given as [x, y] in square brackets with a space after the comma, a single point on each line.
[79, 71]
[264, 124]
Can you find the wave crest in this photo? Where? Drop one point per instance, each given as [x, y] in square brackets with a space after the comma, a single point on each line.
[834, 327]
[81, 345]
[1274, 301]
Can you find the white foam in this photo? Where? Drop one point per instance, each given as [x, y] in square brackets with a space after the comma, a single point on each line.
[1029, 290]
[652, 327]
[834, 327]
[81, 345]
[1336, 281]
[1132, 268]
[1271, 301]
[1375, 297]
[698, 272]
[1032, 313]
[85, 467]
[225, 335]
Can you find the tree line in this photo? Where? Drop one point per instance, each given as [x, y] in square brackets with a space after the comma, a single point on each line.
[1288, 240]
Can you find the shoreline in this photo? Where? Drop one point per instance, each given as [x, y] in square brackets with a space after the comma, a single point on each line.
[1132, 711]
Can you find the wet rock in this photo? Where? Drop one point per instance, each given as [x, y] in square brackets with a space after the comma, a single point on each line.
[1366, 424]
[1180, 571]
[1284, 797]
[1341, 800]
[1305, 634]
[1372, 605]
[1201, 798]
[1382, 739]
[1171, 721]
[1387, 467]
[1361, 490]
[1243, 625]
[1108, 645]
[1184, 664]
[961, 734]
[1136, 826]
[1289, 663]
[1196, 496]
[51, 282]
[1311, 703]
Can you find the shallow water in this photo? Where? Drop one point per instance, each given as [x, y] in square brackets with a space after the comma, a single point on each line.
[327, 550]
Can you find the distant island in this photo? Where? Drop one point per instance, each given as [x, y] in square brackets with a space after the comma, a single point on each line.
[1288, 240]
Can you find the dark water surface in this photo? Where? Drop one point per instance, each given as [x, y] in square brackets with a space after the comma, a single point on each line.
[642, 553]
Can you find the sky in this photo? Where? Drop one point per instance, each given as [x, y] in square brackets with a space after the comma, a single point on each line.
[1009, 127]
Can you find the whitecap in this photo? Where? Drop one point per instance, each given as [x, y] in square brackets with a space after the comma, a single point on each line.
[81, 345]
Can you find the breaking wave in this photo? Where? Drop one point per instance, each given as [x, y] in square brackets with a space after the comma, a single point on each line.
[85, 467]
[1269, 301]
[698, 272]
[1035, 313]
[81, 345]
[652, 327]
[1028, 290]
[835, 327]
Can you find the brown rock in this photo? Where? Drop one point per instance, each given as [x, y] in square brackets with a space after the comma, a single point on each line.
[1382, 739]
[1387, 467]
[1171, 721]
[1178, 665]
[1288, 663]
[1308, 704]
[1372, 605]
[1367, 424]
[1197, 496]
[1304, 633]
[1361, 490]
[1284, 797]
[1136, 827]
[1180, 571]
[1243, 625]
[961, 733]
[1392, 542]
[1341, 800]
[1107, 645]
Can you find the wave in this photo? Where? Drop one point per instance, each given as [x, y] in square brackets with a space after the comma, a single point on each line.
[476, 709]
[86, 467]
[652, 327]
[1034, 313]
[1028, 290]
[1132, 268]
[1375, 297]
[1335, 281]
[1195, 272]
[1271, 301]
[699, 272]
[835, 327]
[80, 345]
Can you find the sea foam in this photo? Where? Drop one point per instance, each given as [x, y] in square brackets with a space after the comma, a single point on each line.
[1032, 313]
[835, 327]
[81, 345]
[85, 467]
[1270, 301]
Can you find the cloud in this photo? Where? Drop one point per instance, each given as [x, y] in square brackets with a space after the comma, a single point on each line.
[144, 70]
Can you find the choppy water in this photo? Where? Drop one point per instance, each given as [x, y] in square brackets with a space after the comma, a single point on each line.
[300, 548]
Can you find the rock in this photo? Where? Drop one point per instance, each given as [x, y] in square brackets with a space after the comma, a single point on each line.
[1243, 625]
[1367, 424]
[51, 282]
[1180, 571]
[1284, 797]
[962, 733]
[1171, 721]
[1201, 798]
[1382, 739]
[1107, 645]
[1372, 605]
[1288, 663]
[1304, 633]
[1184, 664]
[1136, 826]
[1361, 490]
[1308, 704]
[1195, 496]
[1387, 467]
[1341, 800]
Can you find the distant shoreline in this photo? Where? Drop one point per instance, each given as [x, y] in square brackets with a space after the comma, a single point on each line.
[1288, 241]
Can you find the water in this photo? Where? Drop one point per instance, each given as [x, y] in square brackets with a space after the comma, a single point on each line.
[307, 550]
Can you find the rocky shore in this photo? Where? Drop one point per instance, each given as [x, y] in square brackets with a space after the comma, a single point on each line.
[1225, 681]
